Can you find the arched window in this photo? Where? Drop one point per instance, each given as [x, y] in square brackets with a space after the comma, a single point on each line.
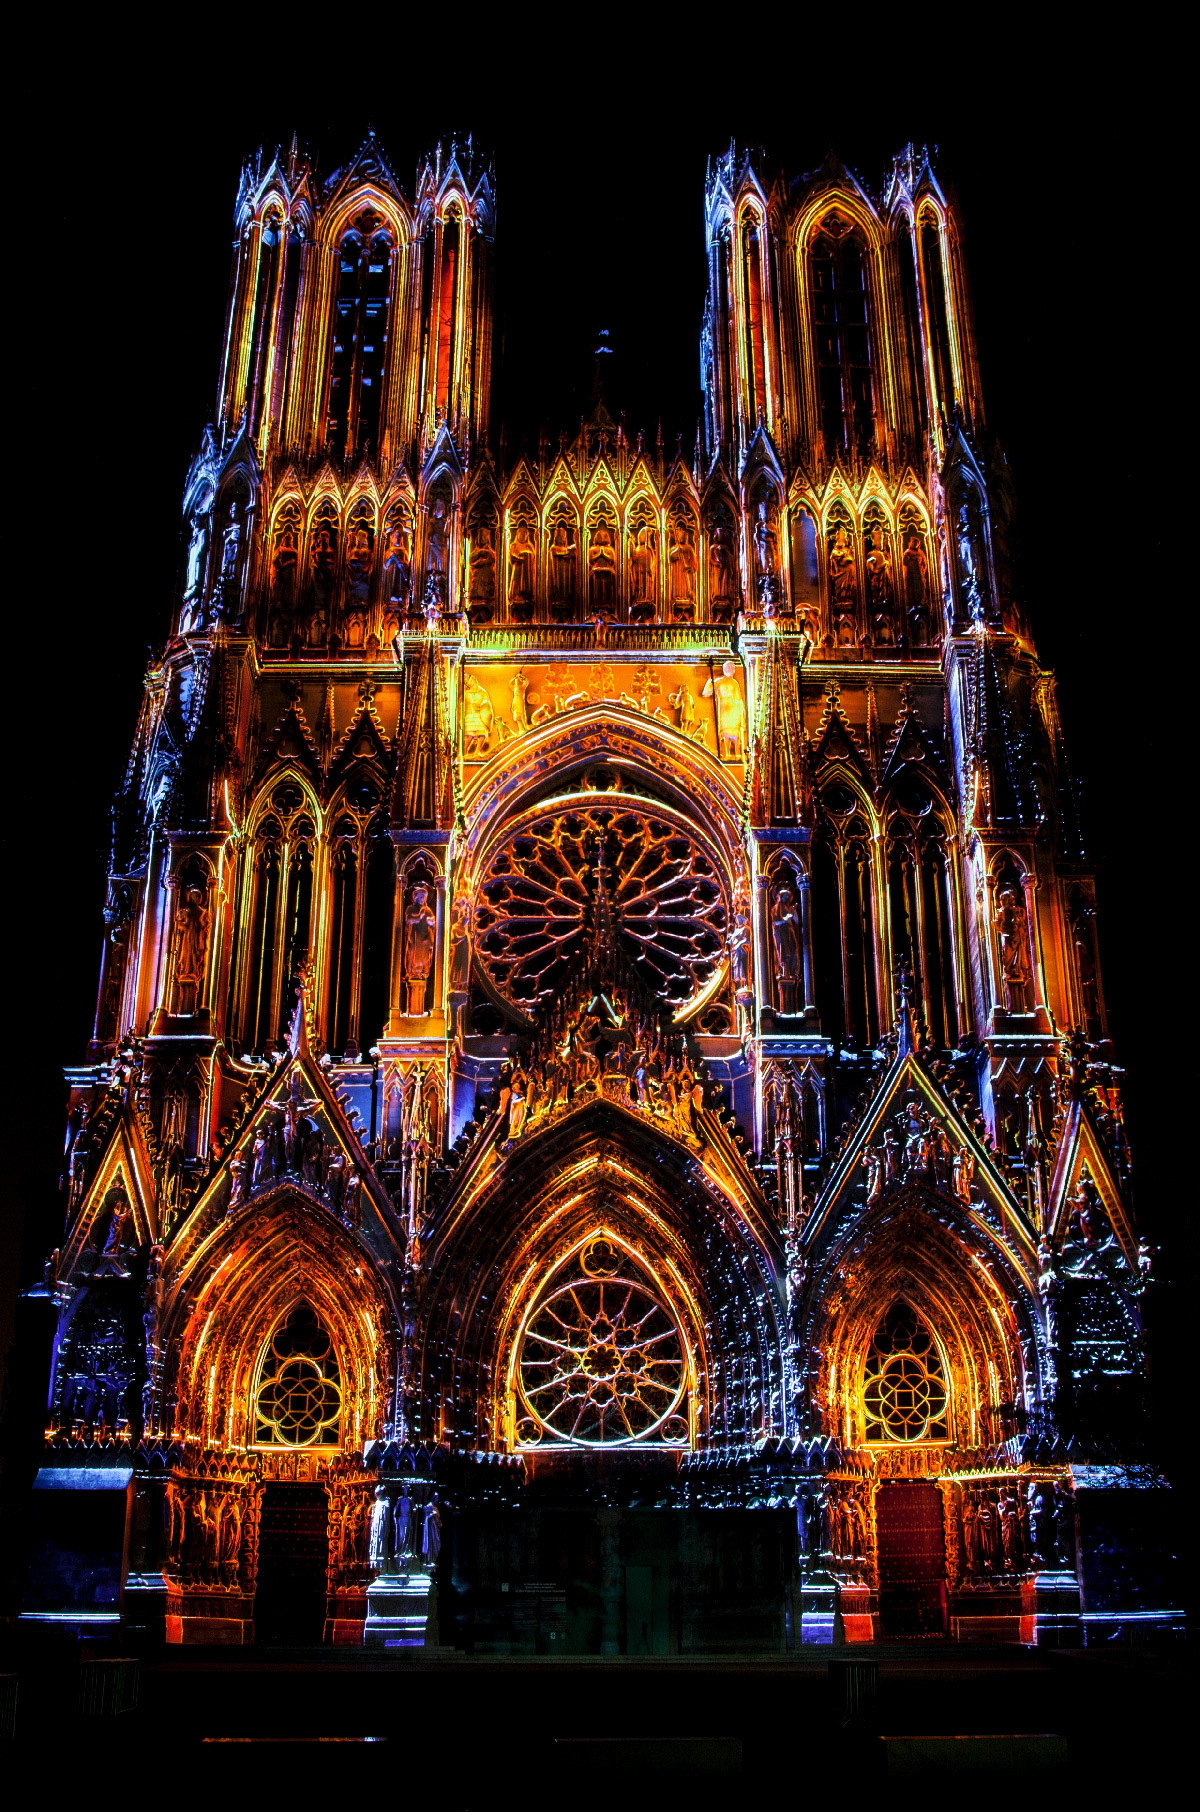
[447, 322]
[359, 340]
[754, 341]
[911, 329]
[279, 882]
[361, 872]
[298, 1391]
[904, 1382]
[842, 879]
[935, 302]
[842, 337]
[262, 318]
[920, 902]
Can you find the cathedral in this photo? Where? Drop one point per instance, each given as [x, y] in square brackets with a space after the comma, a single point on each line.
[600, 1134]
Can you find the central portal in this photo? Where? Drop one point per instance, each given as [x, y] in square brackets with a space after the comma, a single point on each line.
[912, 1560]
[293, 1560]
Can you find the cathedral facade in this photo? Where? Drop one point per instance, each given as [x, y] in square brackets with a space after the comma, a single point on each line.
[600, 1133]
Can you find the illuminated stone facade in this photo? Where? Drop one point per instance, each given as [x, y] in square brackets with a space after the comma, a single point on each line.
[599, 1025]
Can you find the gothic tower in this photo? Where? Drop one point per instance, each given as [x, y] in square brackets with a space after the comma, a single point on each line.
[599, 982]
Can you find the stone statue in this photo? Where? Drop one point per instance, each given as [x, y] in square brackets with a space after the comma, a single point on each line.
[843, 587]
[725, 689]
[379, 1542]
[873, 1165]
[460, 945]
[1012, 938]
[397, 564]
[643, 568]
[681, 559]
[602, 570]
[420, 934]
[404, 1526]
[785, 935]
[766, 551]
[522, 568]
[520, 704]
[437, 548]
[481, 581]
[964, 1174]
[916, 591]
[191, 948]
[518, 1103]
[431, 1534]
[479, 718]
[562, 567]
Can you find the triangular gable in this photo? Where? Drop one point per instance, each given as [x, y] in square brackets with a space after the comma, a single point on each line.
[364, 739]
[908, 742]
[835, 739]
[291, 740]
[125, 1166]
[1079, 1145]
[906, 1072]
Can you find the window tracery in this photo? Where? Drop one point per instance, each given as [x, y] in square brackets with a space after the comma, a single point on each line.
[843, 871]
[358, 339]
[905, 1396]
[361, 867]
[933, 271]
[280, 882]
[842, 337]
[298, 1392]
[603, 1358]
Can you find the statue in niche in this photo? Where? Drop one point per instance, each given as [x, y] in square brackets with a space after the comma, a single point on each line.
[460, 945]
[562, 567]
[481, 581]
[479, 719]
[323, 561]
[643, 569]
[437, 547]
[843, 587]
[878, 561]
[231, 554]
[726, 692]
[766, 550]
[358, 563]
[722, 568]
[522, 568]
[197, 560]
[1012, 939]
[785, 935]
[420, 934]
[191, 947]
[379, 1540]
[397, 564]
[969, 566]
[431, 1533]
[916, 591]
[602, 569]
[963, 1175]
[681, 561]
[404, 1526]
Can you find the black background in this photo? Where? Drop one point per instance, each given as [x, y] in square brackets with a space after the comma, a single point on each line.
[1063, 160]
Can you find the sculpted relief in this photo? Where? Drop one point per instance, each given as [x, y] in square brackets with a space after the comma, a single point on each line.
[707, 705]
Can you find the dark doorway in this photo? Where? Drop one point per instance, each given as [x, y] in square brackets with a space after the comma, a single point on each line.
[293, 1554]
[912, 1560]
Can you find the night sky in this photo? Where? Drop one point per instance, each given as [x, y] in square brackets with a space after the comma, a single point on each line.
[1061, 172]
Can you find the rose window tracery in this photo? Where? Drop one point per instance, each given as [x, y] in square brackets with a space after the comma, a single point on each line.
[603, 1360]
[904, 1387]
[537, 895]
[298, 1400]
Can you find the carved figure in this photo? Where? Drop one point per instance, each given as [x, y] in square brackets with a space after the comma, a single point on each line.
[460, 945]
[602, 570]
[397, 564]
[522, 567]
[722, 568]
[379, 1544]
[643, 569]
[437, 546]
[479, 719]
[785, 935]
[431, 1534]
[404, 1526]
[681, 560]
[520, 703]
[843, 587]
[873, 1165]
[766, 550]
[964, 1174]
[420, 931]
[191, 947]
[916, 591]
[562, 567]
[1012, 938]
[481, 582]
[726, 690]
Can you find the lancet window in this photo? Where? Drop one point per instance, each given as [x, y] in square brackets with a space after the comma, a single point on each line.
[921, 904]
[279, 885]
[911, 330]
[842, 337]
[754, 338]
[843, 883]
[358, 340]
[361, 870]
[262, 316]
[904, 1382]
[939, 325]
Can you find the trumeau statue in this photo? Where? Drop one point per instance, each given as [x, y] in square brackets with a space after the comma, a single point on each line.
[591, 838]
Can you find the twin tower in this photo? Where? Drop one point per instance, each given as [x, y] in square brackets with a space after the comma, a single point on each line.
[599, 998]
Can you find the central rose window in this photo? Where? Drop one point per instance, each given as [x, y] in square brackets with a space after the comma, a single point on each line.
[603, 1360]
[536, 890]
